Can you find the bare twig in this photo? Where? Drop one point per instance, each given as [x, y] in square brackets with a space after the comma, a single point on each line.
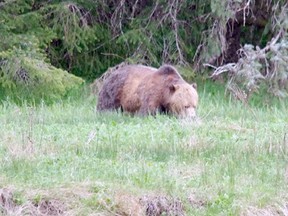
[134, 8]
[231, 67]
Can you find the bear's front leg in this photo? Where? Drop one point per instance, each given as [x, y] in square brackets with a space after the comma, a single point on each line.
[148, 109]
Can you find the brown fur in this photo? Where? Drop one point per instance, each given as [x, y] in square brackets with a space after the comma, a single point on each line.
[146, 90]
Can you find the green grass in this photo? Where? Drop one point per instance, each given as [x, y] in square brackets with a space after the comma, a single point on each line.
[232, 161]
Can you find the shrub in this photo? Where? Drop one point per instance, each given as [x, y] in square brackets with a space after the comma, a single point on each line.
[25, 77]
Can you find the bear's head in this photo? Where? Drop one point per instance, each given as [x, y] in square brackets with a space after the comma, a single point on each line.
[184, 100]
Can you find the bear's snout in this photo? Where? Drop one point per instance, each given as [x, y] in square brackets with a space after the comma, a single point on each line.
[188, 113]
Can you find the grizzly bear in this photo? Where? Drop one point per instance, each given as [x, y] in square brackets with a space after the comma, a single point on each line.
[143, 90]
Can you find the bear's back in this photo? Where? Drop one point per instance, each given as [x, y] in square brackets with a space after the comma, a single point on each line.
[120, 86]
[130, 100]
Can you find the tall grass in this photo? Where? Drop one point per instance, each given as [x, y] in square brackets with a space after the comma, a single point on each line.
[232, 161]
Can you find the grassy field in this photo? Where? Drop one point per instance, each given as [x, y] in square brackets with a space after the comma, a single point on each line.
[67, 159]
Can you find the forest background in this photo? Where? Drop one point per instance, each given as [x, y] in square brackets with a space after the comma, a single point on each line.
[240, 42]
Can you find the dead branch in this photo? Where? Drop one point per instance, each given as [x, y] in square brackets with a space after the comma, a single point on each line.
[117, 16]
[173, 13]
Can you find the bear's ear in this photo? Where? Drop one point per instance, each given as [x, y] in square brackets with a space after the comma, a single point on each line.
[167, 70]
[194, 85]
[174, 87]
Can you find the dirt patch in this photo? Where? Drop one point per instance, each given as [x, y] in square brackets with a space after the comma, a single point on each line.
[7, 203]
[128, 205]
[50, 207]
[267, 211]
[161, 205]
[10, 206]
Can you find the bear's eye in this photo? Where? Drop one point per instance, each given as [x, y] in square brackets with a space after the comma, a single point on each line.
[186, 107]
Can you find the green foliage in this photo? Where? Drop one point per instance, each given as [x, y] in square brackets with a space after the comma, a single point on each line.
[72, 27]
[221, 9]
[86, 38]
[27, 77]
[25, 70]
